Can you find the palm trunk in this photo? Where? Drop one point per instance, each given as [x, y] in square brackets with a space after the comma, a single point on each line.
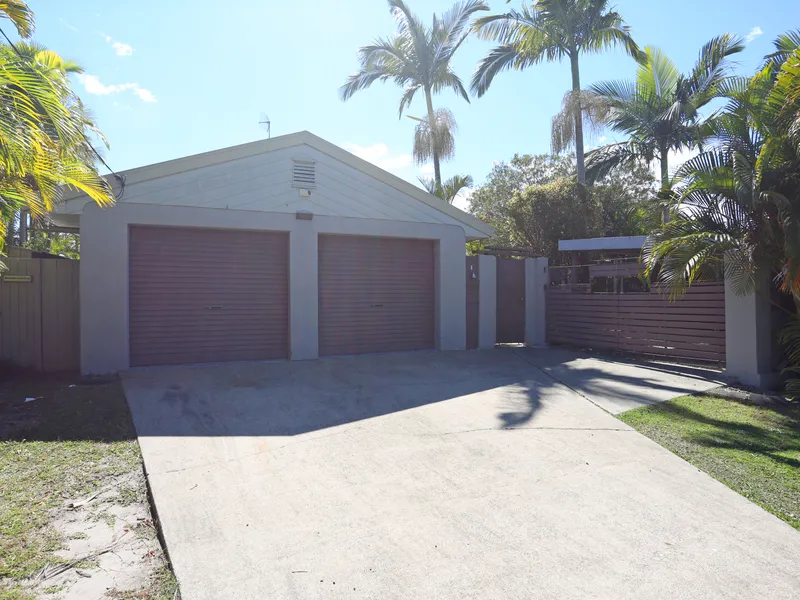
[437, 172]
[576, 89]
[666, 188]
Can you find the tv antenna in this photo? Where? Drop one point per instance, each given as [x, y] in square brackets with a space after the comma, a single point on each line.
[265, 124]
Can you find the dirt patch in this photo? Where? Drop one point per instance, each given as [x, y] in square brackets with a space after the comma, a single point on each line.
[75, 522]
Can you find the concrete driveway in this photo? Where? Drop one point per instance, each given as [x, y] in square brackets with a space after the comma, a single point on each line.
[441, 476]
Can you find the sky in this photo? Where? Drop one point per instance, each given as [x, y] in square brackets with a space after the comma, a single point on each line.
[166, 79]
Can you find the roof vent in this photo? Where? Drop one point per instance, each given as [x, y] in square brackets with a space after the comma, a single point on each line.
[304, 174]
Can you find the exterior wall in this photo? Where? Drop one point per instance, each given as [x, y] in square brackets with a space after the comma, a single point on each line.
[263, 183]
[104, 271]
[487, 304]
[537, 279]
[749, 337]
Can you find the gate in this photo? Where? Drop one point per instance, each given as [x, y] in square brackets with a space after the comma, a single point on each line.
[646, 323]
[39, 313]
[510, 301]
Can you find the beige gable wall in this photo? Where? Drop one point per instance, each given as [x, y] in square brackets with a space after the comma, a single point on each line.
[262, 182]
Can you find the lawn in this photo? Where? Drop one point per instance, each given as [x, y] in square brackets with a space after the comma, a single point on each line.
[754, 450]
[70, 442]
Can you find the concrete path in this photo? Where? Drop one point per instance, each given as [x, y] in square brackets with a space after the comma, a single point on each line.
[470, 475]
[617, 385]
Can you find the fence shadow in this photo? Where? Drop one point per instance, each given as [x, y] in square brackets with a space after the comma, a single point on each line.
[63, 407]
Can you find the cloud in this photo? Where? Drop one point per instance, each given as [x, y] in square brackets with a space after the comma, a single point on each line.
[144, 94]
[602, 139]
[94, 86]
[68, 25]
[427, 169]
[755, 32]
[379, 155]
[462, 199]
[122, 49]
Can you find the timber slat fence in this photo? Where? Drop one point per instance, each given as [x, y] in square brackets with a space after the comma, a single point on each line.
[648, 323]
[40, 313]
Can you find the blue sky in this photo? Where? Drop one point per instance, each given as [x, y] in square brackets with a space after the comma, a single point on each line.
[169, 79]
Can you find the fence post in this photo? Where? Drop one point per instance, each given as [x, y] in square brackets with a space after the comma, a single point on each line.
[748, 335]
[536, 280]
[487, 302]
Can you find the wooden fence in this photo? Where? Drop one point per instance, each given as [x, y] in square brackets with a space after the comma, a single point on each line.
[691, 328]
[40, 313]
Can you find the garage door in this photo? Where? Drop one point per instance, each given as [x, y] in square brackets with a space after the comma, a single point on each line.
[375, 294]
[207, 295]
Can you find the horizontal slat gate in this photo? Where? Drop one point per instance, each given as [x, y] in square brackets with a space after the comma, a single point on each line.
[375, 294]
[207, 295]
[692, 327]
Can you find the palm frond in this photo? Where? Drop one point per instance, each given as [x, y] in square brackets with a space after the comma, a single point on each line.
[498, 60]
[452, 81]
[602, 161]
[594, 110]
[19, 14]
[784, 45]
[450, 29]
[449, 189]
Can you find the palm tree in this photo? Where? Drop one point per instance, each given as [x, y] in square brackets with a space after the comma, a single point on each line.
[43, 143]
[552, 30]
[449, 189]
[659, 111]
[417, 58]
[740, 197]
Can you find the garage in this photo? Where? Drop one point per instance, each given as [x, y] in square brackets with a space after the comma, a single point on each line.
[376, 294]
[207, 295]
[287, 248]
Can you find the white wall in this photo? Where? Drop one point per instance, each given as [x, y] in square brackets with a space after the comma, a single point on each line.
[536, 282]
[262, 182]
[749, 335]
[487, 302]
[104, 271]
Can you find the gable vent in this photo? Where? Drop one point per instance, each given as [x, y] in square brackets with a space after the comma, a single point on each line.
[304, 174]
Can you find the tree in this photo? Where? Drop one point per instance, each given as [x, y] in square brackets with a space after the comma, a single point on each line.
[67, 245]
[659, 111]
[490, 201]
[418, 58]
[43, 128]
[450, 188]
[739, 200]
[545, 213]
[625, 197]
[552, 30]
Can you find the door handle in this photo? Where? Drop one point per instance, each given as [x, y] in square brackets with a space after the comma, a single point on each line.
[215, 307]
[376, 305]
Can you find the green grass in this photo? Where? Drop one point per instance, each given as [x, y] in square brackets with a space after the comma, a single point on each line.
[71, 441]
[754, 450]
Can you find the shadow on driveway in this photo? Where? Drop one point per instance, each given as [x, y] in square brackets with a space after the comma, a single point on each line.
[292, 398]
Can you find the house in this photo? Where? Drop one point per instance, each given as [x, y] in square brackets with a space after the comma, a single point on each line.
[288, 248]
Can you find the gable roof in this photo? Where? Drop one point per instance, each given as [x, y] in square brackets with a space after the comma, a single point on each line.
[214, 157]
